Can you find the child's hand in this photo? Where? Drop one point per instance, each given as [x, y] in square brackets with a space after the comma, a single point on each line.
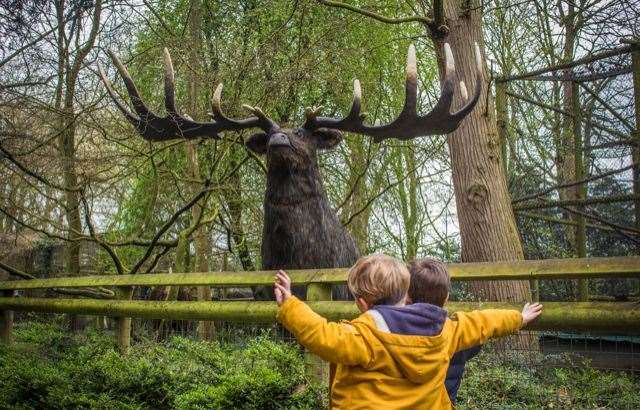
[282, 287]
[529, 312]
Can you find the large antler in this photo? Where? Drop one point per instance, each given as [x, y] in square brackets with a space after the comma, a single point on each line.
[173, 125]
[408, 124]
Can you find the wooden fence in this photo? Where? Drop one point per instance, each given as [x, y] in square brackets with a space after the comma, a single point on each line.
[594, 317]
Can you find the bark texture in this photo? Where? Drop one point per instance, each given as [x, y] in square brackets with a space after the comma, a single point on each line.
[487, 223]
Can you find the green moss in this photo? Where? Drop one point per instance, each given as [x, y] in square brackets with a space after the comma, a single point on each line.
[621, 318]
[612, 267]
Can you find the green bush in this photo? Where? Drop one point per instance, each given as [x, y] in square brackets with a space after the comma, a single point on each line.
[47, 369]
[512, 381]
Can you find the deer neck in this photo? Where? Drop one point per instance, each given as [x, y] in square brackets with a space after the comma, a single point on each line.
[293, 186]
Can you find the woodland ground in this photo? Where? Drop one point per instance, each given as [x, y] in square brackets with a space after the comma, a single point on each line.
[49, 369]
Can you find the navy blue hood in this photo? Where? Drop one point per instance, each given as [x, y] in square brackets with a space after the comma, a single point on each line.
[418, 319]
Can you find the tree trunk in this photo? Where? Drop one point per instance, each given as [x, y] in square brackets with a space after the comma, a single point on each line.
[71, 205]
[64, 102]
[487, 224]
[200, 237]
[635, 153]
[580, 231]
[359, 224]
[407, 174]
[70, 177]
[172, 292]
[569, 150]
[68, 73]
[123, 329]
[205, 329]
[233, 197]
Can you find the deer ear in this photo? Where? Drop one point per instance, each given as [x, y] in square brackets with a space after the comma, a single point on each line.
[257, 143]
[326, 138]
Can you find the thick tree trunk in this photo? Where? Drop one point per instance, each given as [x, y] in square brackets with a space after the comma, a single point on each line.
[487, 223]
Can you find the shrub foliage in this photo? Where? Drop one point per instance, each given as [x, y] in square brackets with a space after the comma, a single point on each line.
[511, 381]
[47, 368]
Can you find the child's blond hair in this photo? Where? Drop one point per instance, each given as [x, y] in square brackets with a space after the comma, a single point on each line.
[379, 280]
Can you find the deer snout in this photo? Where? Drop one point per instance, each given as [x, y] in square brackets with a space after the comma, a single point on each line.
[279, 139]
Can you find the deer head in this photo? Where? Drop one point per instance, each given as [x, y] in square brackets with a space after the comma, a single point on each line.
[297, 147]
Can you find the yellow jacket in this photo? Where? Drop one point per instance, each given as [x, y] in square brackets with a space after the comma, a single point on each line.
[376, 369]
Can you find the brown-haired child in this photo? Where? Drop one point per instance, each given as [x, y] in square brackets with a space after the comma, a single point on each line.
[430, 282]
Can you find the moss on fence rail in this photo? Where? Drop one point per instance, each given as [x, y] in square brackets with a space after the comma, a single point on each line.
[617, 318]
[616, 267]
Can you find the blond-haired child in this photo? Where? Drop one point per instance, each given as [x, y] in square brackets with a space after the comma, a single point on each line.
[392, 356]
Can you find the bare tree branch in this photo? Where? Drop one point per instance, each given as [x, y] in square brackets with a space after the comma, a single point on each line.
[410, 19]
[100, 292]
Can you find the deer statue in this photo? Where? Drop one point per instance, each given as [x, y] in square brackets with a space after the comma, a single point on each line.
[300, 230]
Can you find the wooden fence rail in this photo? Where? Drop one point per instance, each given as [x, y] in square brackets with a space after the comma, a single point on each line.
[618, 267]
[594, 317]
[597, 317]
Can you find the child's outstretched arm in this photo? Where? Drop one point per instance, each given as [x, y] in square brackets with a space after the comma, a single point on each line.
[334, 342]
[474, 328]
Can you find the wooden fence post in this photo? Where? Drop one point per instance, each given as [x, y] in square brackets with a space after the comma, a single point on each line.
[6, 321]
[123, 330]
[317, 369]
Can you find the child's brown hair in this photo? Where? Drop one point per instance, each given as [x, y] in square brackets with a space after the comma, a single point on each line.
[429, 282]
